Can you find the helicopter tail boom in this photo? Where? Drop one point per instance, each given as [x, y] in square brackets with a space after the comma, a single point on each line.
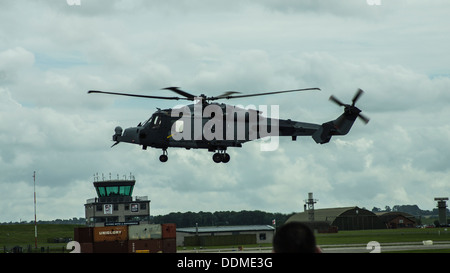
[340, 126]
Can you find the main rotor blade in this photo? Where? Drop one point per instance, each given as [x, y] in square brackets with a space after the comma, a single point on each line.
[225, 96]
[135, 95]
[180, 92]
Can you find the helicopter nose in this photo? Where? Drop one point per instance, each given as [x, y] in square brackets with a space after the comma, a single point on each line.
[130, 135]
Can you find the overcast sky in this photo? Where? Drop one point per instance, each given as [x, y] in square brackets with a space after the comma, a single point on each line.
[52, 53]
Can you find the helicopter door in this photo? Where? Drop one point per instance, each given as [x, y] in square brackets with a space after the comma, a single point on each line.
[160, 128]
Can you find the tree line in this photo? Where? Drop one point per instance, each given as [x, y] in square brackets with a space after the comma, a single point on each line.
[222, 218]
[230, 218]
[256, 217]
[73, 221]
[411, 209]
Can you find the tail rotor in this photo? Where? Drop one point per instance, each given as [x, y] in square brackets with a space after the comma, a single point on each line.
[351, 109]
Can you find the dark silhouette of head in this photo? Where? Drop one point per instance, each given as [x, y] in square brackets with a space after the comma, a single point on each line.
[294, 237]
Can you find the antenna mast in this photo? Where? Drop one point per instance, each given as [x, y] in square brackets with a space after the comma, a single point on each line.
[310, 202]
[35, 222]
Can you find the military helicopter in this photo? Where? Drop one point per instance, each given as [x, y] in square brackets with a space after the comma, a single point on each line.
[213, 126]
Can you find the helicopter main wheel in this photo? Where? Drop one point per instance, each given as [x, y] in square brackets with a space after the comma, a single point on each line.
[217, 157]
[225, 158]
[221, 157]
[163, 157]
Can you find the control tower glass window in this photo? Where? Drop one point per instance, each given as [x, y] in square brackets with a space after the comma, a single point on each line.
[125, 190]
[111, 189]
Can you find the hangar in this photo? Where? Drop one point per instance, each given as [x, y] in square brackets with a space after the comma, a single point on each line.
[345, 218]
[396, 219]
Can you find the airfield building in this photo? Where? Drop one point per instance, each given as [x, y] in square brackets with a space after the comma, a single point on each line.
[225, 235]
[115, 205]
[396, 219]
[346, 218]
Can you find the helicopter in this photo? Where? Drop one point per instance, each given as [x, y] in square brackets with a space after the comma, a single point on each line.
[205, 124]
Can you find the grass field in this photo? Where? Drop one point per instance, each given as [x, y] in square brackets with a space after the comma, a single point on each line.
[384, 236]
[23, 236]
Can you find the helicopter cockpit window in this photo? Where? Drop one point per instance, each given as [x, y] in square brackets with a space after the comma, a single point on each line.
[149, 121]
[157, 122]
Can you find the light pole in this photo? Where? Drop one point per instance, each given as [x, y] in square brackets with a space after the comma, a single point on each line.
[35, 222]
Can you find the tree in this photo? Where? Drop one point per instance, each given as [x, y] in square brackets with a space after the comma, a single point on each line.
[375, 209]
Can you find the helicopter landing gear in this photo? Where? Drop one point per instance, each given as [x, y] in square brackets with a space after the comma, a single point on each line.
[164, 157]
[221, 156]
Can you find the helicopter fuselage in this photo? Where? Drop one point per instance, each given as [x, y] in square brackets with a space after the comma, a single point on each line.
[215, 130]
[214, 127]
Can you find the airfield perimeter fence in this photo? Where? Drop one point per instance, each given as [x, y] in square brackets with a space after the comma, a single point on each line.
[61, 248]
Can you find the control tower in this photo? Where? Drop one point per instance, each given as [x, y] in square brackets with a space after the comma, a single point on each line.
[115, 205]
[442, 209]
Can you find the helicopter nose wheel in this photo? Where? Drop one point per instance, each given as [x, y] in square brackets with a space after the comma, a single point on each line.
[221, 157]
[163, 157]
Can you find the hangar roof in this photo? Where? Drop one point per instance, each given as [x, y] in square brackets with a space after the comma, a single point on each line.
[328, 215]
[388, 216]
[383, 213]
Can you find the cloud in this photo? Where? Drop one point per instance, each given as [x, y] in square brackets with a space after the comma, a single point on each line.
[49, 124]
[13, 61]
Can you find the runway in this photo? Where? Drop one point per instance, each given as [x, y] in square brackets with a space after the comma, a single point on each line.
[391, 247]
[349, 248]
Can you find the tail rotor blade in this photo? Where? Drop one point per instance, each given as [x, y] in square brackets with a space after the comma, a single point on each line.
[364, 118]
[335, 100]
[352, 108]
[357, 96]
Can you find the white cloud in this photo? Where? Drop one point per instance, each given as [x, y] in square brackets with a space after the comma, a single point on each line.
[395, 52]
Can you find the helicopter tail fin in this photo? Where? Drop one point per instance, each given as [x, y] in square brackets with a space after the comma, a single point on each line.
[338, 127]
